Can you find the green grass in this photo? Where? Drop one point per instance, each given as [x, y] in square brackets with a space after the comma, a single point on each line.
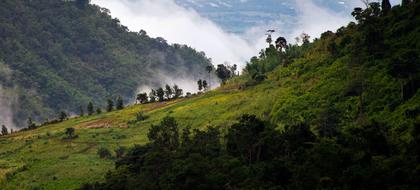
[299, 93]
[42, 159]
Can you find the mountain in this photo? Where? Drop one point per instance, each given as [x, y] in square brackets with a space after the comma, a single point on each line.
[60, 55]
[342, 112]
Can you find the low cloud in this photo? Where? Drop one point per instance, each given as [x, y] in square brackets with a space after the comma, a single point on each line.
[7, 102]
[164, 18]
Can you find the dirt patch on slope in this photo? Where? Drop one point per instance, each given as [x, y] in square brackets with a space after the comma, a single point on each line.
[101, 124]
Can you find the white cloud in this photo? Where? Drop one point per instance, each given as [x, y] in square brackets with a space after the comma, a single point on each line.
[166, 19]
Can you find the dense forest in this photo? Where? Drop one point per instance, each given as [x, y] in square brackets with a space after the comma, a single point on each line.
[60, 55]
[347, 117]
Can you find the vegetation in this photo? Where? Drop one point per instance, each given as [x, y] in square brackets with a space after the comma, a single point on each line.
[339, 113]
[58, 55]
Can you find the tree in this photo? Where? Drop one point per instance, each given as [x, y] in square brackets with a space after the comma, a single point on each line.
[110, 105]
[281, 43]
[405, 2]
[305, 38]
[160, 93]
[205, 85]
[386, 6]
[82, 3]
[62, 116]
[70, 132]
[223, 73]
[90, 108]
[177, 91]
[152, 95]
[98, 111]
[168, 92]
[233, 69]
[209, 69]
[165, 136]
[104, 153]
[243, 138]
[142, 98]
[200, 85]
[120, 151]
[4, 130]
[120, 103]
[31, 124]
[82, 112]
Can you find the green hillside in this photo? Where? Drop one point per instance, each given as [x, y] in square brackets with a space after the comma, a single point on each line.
[59, 55]
[342, 112]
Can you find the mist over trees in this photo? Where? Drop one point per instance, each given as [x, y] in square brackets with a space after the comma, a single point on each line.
[60, 60]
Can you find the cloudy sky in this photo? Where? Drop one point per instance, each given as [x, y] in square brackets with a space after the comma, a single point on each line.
[230, 30]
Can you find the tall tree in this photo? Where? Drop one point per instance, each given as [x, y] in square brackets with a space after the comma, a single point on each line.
[120, 103]
[160, 93]
[63, 116]
[4, 130]
[223, 73]
[31, 124]
[168, 92]
[110, 105]
[82, 112]
[177, 91]
[405, 2]
[200, 85]
[90, 109]
[386, 6]
[142, 98]
[209, 69]
[152, 95]
[205, 85]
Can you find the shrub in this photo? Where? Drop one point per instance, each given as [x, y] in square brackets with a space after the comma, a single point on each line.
[104, 153]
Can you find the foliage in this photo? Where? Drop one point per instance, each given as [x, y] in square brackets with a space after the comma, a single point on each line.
[104, 153]
[63, 54]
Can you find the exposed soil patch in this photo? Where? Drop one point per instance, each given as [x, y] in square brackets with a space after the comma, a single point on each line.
[101, 124]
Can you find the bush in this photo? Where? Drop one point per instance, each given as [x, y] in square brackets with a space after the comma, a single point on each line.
[104, 153]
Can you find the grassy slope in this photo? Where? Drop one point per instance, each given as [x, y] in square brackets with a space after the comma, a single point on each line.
[299, 93]
[41, 158]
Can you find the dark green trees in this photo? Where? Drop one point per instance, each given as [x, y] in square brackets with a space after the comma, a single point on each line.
[62, 116]
[90, 109]
[81, 111]
[168, 92]
[142, 98]
[200, 85]
[4, 130]
[165, 136]
[120, 103]
[223, 73]
[160, 94]
[110, 105]
[82, 3]
[177, 91]
[205, 85]
[386, 6]
[70, 133]
[209, 70]
[243, 139]
[30, 124]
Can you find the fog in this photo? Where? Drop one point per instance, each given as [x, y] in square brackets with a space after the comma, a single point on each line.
[6, 108]
[165, 18]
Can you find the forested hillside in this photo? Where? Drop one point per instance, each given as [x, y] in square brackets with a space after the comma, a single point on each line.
[342, 112]
[59, 55]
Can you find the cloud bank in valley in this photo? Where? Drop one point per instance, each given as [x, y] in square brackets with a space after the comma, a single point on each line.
[165, 18]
